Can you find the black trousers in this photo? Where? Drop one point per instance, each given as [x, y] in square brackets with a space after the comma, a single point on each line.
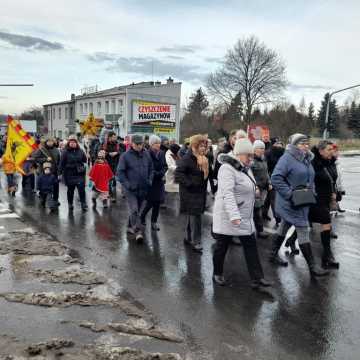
[81, 191]
[155, 206]
[28, 182]
[250, 252]
[270, 202]
[258, 219]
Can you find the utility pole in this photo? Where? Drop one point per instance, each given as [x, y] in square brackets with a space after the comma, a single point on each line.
[325, 133]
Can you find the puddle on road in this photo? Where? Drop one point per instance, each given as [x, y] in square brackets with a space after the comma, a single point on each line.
[12, 349]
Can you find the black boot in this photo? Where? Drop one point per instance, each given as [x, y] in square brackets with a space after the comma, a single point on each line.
[328, 260]
[315, 270]
[290, 242]
[276, 245]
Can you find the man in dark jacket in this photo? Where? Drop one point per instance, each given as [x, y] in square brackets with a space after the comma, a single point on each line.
[261, 175]
[272, 157]
[192, 175]
[73, 168]
[49, 153]
[135, 173]
[184, 148]
[113, 150]
[156, 195]
[94, 148]
[228, 147]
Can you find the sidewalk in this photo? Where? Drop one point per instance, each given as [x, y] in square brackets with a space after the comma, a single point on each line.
[52, 305]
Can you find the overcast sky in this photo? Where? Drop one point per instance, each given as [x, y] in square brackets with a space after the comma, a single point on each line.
[61, 46]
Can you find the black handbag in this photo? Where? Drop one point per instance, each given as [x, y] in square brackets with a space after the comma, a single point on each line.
[302, 196]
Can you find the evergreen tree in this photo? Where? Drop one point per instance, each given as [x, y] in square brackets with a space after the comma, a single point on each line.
[333, 119]
[234, 112]
[351, 124]
[198, 103]
[311, 115]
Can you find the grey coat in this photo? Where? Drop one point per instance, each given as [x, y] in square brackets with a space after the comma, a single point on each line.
[293, 169]
[235, 198]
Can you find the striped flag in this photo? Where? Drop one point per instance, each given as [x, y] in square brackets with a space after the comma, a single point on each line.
[19, 145]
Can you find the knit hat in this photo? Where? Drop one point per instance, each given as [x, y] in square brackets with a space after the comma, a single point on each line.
[240, 134]
[101, 154]
[72, 138]
[297, 138]
[137, 139]
[258, 144]
[243, 146]
[154, 139]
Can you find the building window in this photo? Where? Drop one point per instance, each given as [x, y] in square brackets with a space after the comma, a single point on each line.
[113, 110]
[60, 134]
[98, 108]
[106, 107]
[81, 109]
[71, 112]
[91, 108]
[66, 113]
[53, 113]
[120, 105]
[86, 108]
[59, 113]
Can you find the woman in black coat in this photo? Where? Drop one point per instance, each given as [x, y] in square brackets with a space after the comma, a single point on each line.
[73, 168]
[325, 188]
[192, 175]
[156, 194]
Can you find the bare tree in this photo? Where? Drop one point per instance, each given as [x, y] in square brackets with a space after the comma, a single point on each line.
[252, 69]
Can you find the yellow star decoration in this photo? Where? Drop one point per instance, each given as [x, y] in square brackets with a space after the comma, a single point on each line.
[90, 126]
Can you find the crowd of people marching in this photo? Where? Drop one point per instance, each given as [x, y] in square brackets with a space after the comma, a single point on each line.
[300, 185]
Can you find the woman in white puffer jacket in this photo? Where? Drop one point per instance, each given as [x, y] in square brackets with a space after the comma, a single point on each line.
[233, 212]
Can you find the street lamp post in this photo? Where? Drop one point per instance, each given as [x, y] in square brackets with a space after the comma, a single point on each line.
[325, 133]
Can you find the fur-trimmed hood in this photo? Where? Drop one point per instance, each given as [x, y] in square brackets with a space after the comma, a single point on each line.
[231, 160]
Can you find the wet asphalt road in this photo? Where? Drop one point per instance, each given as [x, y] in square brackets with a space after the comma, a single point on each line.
[300, 319]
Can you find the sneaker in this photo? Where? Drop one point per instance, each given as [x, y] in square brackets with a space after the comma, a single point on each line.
[113, 200]
[219, 280]
[139, 238]
[105, 204]
[155, 227]
[267, 218]
[71, 207]
[197, 248]
[187, 241]
[84, 207]
[130, 230]
[333, 235]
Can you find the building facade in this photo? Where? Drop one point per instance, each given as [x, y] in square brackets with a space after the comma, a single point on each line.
[60, 118]
[142, 108]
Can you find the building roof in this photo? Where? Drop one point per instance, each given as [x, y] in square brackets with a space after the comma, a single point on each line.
[60, 102]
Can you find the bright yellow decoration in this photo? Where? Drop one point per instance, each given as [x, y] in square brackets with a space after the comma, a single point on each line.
[19, 146]
[90, 126]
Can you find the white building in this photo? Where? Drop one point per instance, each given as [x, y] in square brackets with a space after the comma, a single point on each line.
[142, 108]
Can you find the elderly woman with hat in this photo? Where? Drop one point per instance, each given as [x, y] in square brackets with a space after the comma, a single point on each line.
[156, 194]
[73, 168]
[293, 180]
[234, 211]
[192, 175]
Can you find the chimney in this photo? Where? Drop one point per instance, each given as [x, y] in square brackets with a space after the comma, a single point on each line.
[72, 97]
[170, 80]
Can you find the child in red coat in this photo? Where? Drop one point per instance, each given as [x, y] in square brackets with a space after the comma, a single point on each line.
[100, 175]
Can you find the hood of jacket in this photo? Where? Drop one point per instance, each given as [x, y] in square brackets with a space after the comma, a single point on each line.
[231, 160]
[298, 154]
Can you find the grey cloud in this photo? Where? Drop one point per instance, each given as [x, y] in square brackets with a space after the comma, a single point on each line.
[309, 87]
[29, 42]
[175, 57]
[180, 49]
[145, 66]
[100, 57]
[214, 60]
